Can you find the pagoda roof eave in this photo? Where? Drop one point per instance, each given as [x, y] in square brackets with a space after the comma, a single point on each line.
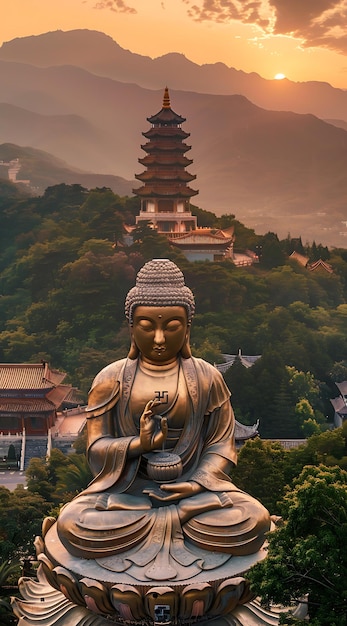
[160, 147]
[165, 160]
[150, 175]
[151, 193]
[166, 115]
[243, 432]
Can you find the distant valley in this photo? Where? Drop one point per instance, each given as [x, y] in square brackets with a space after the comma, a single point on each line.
[276, 170]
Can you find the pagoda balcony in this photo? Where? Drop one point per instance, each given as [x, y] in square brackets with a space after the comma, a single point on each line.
[168, 131]
[167, 215]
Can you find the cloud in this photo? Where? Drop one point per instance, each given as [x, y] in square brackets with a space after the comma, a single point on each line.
[321, 23]
[316, 23]
[249, 12]
[118, 6]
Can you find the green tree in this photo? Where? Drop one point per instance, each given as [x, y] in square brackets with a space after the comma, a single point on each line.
[205, 219]
[241, 384]
[38, 478]
[272, 254]
[310, 427]
[208, 351]
[9, 574]
[338, 372]
[287, 286]
[272, 396]
[150, 243]
[73, 477]
[329, 447]
[21, 516]
[101, 213]
[307, 554]
[260, 471]
[59, 196]
[16, 345]
[42, 475]
[226, 220]
[306, 418]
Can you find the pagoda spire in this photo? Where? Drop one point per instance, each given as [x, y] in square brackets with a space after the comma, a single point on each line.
[166, 99]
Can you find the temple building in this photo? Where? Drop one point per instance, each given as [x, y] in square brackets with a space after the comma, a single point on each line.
[315, 266]
[165, 194]
[30, 396]
[205, 244]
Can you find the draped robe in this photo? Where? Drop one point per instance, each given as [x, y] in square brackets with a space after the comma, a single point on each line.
[118, 524]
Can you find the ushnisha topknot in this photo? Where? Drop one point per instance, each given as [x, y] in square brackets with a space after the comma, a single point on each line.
[159, 283]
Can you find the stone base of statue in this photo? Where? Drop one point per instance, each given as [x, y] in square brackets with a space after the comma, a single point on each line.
[71, 591]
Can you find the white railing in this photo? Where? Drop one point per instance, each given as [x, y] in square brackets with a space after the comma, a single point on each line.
[289, 443]
[159, 215]
[49, 443]
[22, 453]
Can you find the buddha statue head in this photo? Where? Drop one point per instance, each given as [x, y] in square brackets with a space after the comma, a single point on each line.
[160, 294]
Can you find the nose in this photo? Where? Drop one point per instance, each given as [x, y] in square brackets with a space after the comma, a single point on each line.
[159, 337]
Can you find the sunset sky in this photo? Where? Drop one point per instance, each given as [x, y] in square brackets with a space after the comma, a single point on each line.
[300, 39]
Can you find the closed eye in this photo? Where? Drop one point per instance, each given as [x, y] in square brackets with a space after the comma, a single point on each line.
[145, 325]
[173, 325]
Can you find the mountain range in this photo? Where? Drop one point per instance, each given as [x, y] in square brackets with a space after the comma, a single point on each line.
[83, 99]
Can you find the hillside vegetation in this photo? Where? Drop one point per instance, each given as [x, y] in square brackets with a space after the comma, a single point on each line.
[64, 277]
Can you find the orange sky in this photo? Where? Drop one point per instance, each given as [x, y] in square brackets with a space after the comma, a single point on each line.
[302, 39]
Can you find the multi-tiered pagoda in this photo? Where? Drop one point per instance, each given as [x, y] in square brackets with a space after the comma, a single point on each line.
[165, 194]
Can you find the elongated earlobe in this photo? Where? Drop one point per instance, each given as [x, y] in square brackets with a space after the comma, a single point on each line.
[133, 350]
[185, 350]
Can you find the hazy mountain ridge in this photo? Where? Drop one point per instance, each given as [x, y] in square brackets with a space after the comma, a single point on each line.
[44, 170]
[100, 54]
[275, 170]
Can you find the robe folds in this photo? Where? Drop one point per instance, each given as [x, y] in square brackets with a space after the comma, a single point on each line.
[116, 522]
[206, 445]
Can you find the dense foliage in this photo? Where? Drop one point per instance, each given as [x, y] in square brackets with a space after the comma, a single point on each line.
[9, 573]
[307, 554]
[266, 470]
[65, 271]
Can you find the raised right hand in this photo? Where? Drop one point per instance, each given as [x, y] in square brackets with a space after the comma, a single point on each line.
[150, 437]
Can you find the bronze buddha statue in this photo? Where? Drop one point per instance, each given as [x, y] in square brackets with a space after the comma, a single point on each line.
[163, 413]
[161, 512]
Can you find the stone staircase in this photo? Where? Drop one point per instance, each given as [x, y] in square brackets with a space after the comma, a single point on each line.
[35, 447]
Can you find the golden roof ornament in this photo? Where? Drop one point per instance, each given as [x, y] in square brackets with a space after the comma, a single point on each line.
[166, 99]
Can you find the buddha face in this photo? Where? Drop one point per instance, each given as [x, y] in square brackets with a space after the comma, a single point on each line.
[159, 332]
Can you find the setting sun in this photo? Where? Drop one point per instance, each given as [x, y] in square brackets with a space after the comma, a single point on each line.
[279, 76]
